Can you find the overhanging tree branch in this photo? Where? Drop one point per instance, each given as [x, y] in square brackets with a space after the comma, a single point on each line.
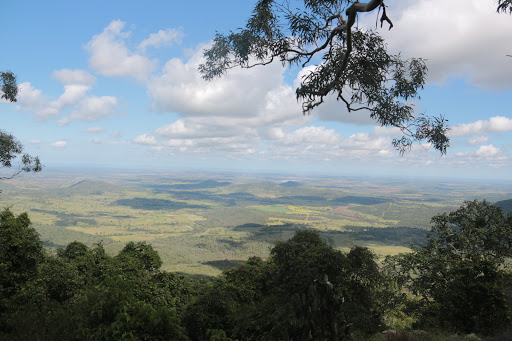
[350, 63]
[10, 147]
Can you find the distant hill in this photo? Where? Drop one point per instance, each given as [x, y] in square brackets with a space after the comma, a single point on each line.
[290, 184]
[88, 187]
[506, 205]
[201, 185]
[155, 204]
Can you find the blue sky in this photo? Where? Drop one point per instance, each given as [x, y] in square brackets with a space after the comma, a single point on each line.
[114, 83]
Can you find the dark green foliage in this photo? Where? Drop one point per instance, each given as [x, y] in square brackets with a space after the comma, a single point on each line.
[155, 204]
[61, 278]
[74, 251]
[305, 291]
[139, 257]
[335, 293]
[9, 86]
[21, 251]
[503, 5]
[84, 294]
[460, 274]
[349, 63]
[113, 312]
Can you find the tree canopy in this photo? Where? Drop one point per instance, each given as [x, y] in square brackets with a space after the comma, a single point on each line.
[9, 86]
[342, 60]
[461, 275]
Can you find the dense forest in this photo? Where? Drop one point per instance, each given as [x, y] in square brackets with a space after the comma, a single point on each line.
[458, 282]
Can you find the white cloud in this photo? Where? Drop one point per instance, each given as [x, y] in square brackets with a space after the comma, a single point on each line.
[457, 37]
[162, 38]
[32, 99]
[95, 130]
[312, 135]
[487, 151]
[92, 109]
[240, 93]
[478, 140]
[99, 140]
[109, 55]
[241, 110]
[60, 144]
[496, 124]
[68, 76]
[145, 139]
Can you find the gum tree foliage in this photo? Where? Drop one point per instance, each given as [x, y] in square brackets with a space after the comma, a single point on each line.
[10, 147]
[9, 86]
[504, 5]
[345, 61]
[461, 275]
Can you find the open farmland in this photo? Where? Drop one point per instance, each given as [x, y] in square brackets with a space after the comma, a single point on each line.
[203, 223]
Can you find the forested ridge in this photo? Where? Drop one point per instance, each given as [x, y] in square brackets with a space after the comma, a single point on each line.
[458, 282]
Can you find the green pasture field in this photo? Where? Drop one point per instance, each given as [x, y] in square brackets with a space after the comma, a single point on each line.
[204, 223]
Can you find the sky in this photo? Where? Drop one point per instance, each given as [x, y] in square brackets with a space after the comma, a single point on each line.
[115, 84]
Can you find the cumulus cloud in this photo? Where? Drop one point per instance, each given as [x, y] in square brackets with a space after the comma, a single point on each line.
[496, 124]
[162, 38]
[60, 144]
[241, 92]
[92, 109]
[478, 140]
[145, 139]
[458, 38]
[238, 111]
[68, 76]
[74, 100]
[32, 99]
[95, 130]
[487, 151]
[312, 135]
[109, 55]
